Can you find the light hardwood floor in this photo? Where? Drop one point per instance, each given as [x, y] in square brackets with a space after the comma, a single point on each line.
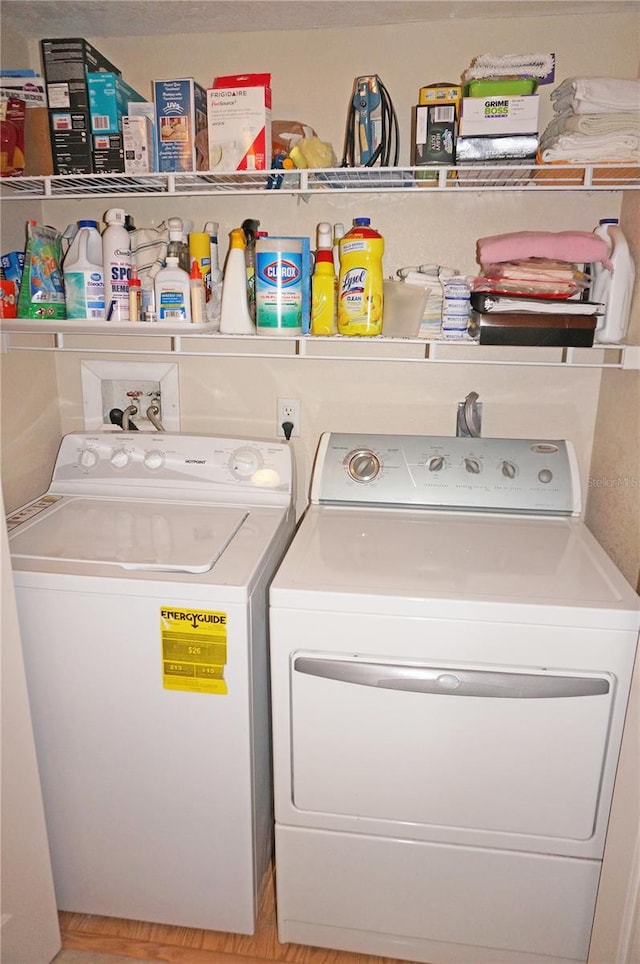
[183, 945]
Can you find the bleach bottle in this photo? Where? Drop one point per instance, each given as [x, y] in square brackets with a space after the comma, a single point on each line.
[83, 274]
[116, 255]
[613, 286]
[360, 289]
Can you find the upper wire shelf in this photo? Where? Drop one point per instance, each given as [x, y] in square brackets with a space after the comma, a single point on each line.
[521, 176]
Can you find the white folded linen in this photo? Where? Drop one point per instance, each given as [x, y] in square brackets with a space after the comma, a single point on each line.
[509, 65]
[587, 148]
[570, 123]
[596, 95]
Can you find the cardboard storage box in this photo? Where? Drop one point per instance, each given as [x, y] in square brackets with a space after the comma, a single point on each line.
[107, 153]
[435, 130]
[66, 62]
[181, 117]
[499, 115]
[239, 116]
[30, 88]
[147, 109]
[441, 94]
[137, 142]
[109, 99]
[71, 142]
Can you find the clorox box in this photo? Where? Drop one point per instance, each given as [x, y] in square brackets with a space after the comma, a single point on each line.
[181, 116]
[239, 117]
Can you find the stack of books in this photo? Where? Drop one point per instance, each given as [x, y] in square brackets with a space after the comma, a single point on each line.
[501, 319]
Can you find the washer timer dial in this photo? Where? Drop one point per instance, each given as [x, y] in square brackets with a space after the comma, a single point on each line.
[245, 462]
[363, 465]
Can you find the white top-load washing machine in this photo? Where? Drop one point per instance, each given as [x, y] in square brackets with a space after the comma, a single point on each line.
[141, 580]
[451, 657]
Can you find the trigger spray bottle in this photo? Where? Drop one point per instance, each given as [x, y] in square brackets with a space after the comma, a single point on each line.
[324, 285]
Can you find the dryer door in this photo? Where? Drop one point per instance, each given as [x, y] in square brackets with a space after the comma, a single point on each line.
[495, 749]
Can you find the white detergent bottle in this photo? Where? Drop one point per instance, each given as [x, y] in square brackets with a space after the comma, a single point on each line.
[83, 274]
[116, 257]
[613, 287]
[235, 318]
[172, 288]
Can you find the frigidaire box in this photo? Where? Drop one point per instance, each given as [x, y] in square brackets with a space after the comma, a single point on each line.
[137, 140]
[181, 116]
[66, 62]
[239, 112]
[499, 115]
[109, 99]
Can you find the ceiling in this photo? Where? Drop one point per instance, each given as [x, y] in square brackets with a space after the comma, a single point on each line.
[113, 18]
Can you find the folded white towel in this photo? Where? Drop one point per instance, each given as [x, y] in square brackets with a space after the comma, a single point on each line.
[569, 123]
[596, 95]
[587, 148]
[509, 65]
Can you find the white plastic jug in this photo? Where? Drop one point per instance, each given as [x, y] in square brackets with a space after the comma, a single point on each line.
[83, 274]
[614, 288]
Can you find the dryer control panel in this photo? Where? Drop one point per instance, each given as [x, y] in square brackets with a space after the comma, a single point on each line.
[176, 467]
[536, 476]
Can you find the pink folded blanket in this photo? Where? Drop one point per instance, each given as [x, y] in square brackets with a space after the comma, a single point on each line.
[576, 247]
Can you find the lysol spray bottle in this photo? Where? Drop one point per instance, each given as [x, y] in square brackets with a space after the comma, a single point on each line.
[279, 286]
[324, 285]
[360, 298]
[83, 273]
[116, 257]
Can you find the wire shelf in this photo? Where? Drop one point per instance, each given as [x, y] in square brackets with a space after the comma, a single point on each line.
[468, 177]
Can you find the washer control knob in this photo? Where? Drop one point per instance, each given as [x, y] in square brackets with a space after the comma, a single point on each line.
[508, 469]
[120, 459]
[435, 463]
[545, 475]
[245, 462]
[88, 459]
[153, 459]
[473, 466]
[363, 466]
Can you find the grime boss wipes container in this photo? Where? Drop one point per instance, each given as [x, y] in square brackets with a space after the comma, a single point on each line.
[360, 298]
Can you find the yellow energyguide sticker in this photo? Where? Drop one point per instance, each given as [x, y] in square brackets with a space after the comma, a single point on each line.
[194, 650]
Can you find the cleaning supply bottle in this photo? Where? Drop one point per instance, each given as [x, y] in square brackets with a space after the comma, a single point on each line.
[116, 258]
[173, 292]
[279, 286]
[324, 285]
[234, 310]
[198, 299]
[360, 289]
[613, 286]
[250, 227]
[83, 273]
[214, 303]
[200, 251]
[174, 247]
[135, 296]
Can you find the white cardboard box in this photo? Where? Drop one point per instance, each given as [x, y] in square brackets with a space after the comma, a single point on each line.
[499, 115]
[137, 142]
[239, 123]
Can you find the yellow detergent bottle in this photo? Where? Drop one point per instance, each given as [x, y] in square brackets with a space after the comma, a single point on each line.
[360, 300]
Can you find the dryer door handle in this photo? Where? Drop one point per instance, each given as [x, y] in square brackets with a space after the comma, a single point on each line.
[451, 682]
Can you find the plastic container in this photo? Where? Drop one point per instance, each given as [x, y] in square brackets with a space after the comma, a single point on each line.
[200, 252]
[614, 288]
[403, 309]
[173, 292]
[279, 286]
[135, 296]
[197, 294]
[324, 285]
[116, 258]
[501, 87]
[234, 310]
[360, 289]
[83, 274]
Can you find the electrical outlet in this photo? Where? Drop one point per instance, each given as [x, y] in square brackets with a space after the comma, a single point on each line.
[288, 411]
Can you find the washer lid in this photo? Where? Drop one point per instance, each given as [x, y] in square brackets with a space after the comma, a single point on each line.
[149, 536]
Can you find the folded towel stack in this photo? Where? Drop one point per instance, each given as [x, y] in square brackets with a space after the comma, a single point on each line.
[595, 119]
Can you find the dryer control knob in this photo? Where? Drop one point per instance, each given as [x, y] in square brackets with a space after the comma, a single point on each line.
[88, 459]
[435, 463]
[545, 475]
[120, 459]
[363, 466]
[153, 459]
[473, 466]
[508, 469]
